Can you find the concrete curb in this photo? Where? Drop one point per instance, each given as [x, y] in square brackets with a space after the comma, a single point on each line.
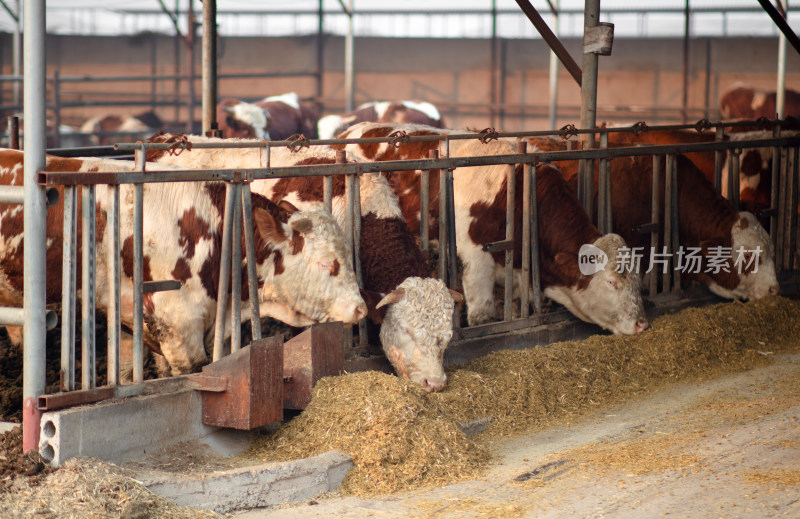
[253, 487]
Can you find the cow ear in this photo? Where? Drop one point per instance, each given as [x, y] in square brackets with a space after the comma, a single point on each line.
[268, 227]
[457, 296]
[301, 225]
[395, 296]
[287, 206]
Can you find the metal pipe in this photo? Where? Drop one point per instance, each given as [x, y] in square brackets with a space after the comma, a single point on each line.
[718, 159]
[349, 63]
[525, 283]
[209, 65]
[236, 269]
[602, 189]
[56, 110]
[327, 191]
[589, 100]
[69, 288]
[655, 216]
[673, 172]
[320, 52]
[424, 204]
[508, 313]
[362, 324]
[138, 273]
[88, 262]
[250, 252]
[553, 73]
[536, 279]
[790, 208]
[667, 277]
[685, 96]
[113, 273]
[707, 89]
[782, 209]
[733, 178]
[776, 165]
[191, 36]
[493, 67]
[16, 56]
[13, 132]
[780, 89]
[443, 222]
[452, 252]
[224, 273]
[552, 40]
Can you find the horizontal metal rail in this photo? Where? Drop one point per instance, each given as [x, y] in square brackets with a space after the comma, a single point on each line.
[48, 178]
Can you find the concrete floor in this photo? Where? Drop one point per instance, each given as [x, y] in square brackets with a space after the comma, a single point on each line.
[728, 447]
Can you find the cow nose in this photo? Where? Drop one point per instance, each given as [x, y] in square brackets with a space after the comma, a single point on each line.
[361, 311]
[774, 290]
[641, 325]
[431, 385]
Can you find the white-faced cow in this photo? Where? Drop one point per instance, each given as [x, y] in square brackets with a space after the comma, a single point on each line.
[607, 298]
[707, 222]
[301, 260]
[416, 310]
[142, 124]
[394, 112]
[272, 118]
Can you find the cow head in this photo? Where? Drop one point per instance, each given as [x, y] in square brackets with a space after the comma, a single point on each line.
[756, 261]
[309, 279]
[243, 120]
[416, 329]
[610, 297]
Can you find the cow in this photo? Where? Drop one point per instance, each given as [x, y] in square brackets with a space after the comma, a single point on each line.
[742, 101]
[415, 311]
[607, 298]
[272, 118]
[300, 257]
[707, 222]
[395, 112]
[142, 124]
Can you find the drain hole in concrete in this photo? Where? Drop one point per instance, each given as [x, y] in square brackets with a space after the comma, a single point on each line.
[47, 452]
[49, 429]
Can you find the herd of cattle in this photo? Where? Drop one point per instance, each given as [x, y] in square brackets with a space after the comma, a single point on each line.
[304, 265]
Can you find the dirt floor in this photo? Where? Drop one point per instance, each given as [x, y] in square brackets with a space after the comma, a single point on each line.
[727, 447]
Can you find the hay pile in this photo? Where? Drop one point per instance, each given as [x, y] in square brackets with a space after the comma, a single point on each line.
[401, 437]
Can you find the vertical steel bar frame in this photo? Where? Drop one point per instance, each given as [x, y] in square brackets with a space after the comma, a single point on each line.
[250, 252]
[88, 289]
[602, 188]
[525, 279]
[138, 272]
[667, 277]
[224, 273]
[719, 136]
[785, 169]
[790, 208]
[209, 72]
[655, 217]
[508, 313]
[443, 241]
[34, 226]
[676, 273]
[236, 269]
[425, 205]
[362, 324]
[536, 279]
[13, 132]
[452, 252]
[69, 288]
[56, 109]
[113, 273]
[733, 177]
[327, 193]
[776, 171]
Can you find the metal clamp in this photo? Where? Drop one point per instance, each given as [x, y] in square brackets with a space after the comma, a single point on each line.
[702, 125]
[398, 138]
[568, 131]
[297, 141]
[639, 128]
[488, 134]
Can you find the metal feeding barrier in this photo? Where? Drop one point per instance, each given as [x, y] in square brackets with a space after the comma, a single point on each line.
[238, 211]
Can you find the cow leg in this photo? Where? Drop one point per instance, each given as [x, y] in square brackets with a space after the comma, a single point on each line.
[15, 335]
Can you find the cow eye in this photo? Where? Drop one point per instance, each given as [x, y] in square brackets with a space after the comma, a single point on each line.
[325, 265]
[613, 283]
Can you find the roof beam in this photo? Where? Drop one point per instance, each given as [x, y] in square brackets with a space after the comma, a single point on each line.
[551, 39]
[780, 21]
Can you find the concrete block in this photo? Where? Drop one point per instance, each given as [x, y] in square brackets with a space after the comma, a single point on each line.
[122, 430]
[253, 487]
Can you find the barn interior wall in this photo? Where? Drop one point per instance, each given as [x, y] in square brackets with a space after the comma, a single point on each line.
[641, 80]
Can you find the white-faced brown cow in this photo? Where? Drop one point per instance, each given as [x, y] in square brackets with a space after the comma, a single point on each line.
[707, 223]
[742, 101]
[301, 260]
[273, 118]
[607, 298]
[394, 112]
[416, 309]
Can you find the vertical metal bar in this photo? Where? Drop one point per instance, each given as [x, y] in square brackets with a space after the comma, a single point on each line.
[785, 170]
[502, 81]
[452, 252]
[668, 187]
[138, 272]
[493, 68]
[718, 159]
[780, 89]
[707, 84]
[791, 179]
[177, 61]
[525, 278]
[676, 283]
[113, 273]
[327, 190]
[56, 109]
[250, 252]
[362, 324]
[536, 280]
[88, 289]
[191, 36]
[153, 71]
[602, 188]
[34, 277]
[349, 69]
[209, 73]
[591, 17]
[508, 313]
[776, 170]
[16, 58]
[224, 273]
[236, 269]
[320, 51]
[424, 205]
[685, 97]
[13, 132]
[443, 221]
[655, 212]
[733, 177]
[349, 213]
[68, 288]
[553, 73]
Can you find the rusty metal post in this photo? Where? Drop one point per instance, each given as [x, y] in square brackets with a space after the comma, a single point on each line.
[673, 172]
[443, 219]
[655, 211]
[508, 313]
[790, 208]
[602, 189]
[362, 324]
[191, 35]
[668, 187]
[13, 132]
[525, 278]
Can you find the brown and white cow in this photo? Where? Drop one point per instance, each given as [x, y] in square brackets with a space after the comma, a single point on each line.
[272, 118]
[301, 260]
[742, 101]
[143, 124]
[707, 222]
[417, 323]
[607, 298]
[394, 112]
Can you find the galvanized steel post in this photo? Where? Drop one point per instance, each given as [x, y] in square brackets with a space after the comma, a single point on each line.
[69, 287]
[138, 265]
[535, 259]
[591, 18]
[733, 177]
[655, 212]
[667, 277]
[236, 269]
[209, 65]
[224, 272]
[250, 252]
[508, 308]
[719, 136]
[525, 280]
[113, 273]
[34, 227]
